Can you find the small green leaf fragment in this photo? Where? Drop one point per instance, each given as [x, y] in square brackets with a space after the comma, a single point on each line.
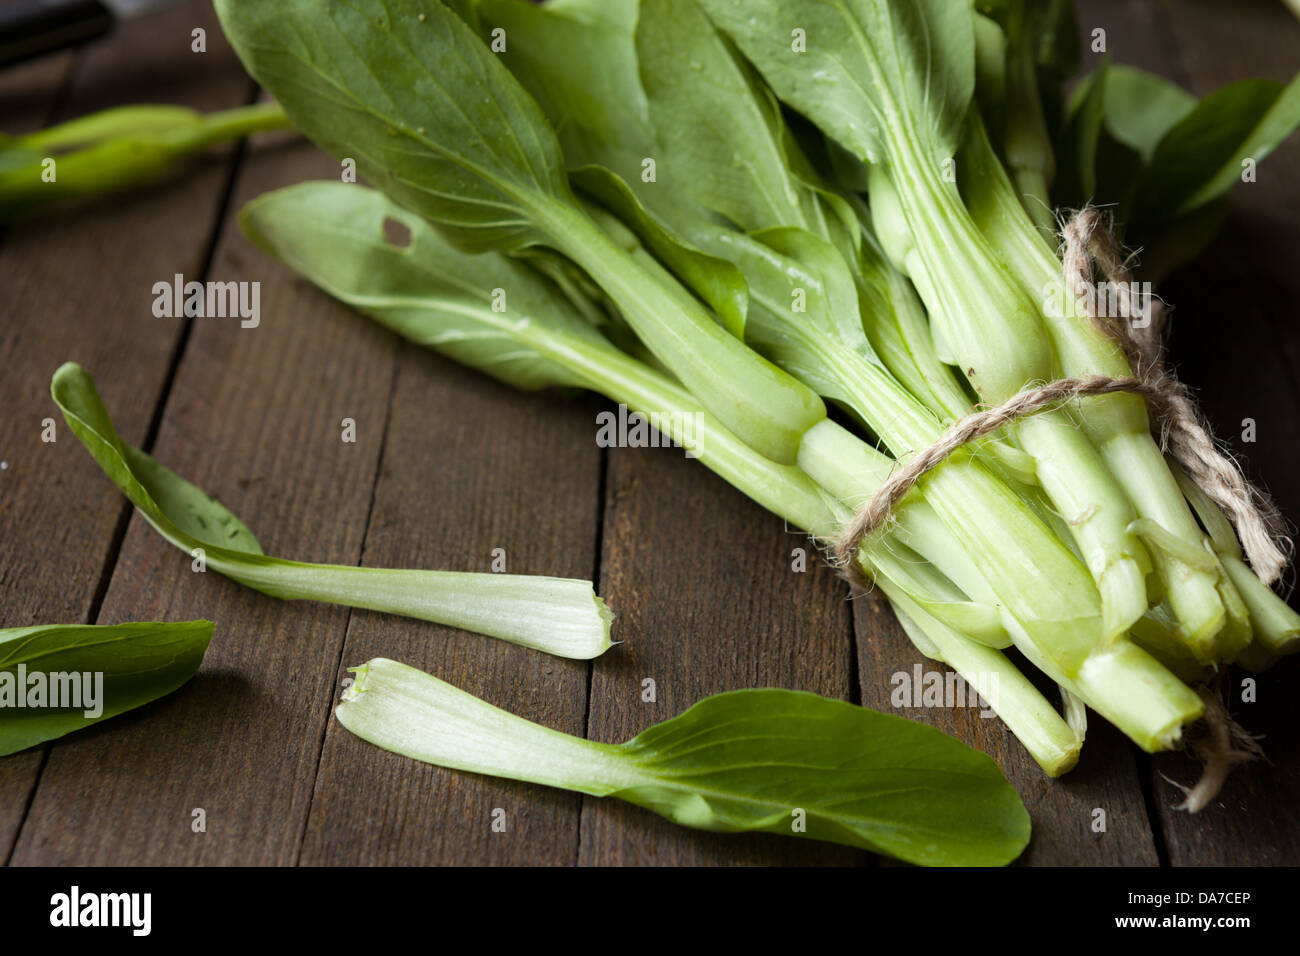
[60, 678]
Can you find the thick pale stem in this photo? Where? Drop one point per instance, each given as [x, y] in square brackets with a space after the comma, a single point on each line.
[412, 713]
[559, 616]
[769, 409]
[995, 332]
[1029, 715]
[1116, 424]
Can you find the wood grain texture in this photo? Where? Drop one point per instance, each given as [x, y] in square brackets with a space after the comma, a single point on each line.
[1063, 810]
[253, 417]
[469, 466]
[28, 94]
[79, 288]
[701, 580]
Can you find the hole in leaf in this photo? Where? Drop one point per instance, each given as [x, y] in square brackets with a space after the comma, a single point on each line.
[397, 233]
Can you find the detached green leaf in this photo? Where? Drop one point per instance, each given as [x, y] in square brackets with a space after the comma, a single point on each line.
[557, 615]
[59, 678]
[780, 761]
[114, 149]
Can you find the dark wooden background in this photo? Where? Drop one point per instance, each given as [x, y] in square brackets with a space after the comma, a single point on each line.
[448, 466]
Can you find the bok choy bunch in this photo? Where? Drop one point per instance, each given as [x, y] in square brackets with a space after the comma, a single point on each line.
[667, 231]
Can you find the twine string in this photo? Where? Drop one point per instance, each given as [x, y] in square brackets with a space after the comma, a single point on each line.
[1184, 434]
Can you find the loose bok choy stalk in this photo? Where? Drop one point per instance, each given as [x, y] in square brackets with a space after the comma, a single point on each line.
[779, 761]
[59, 678]
[115, 149]
[561, 616]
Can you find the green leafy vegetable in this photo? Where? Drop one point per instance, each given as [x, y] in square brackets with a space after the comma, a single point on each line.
[1142, 107]
[436, 120]
[780, 761]
[561, 616]
[114, 149]
[1167, 161]
[59, 678]
[1073, 540]
[1201, 156]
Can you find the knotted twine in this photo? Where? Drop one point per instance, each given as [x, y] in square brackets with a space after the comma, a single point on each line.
[1089, 247]
[1182, 430]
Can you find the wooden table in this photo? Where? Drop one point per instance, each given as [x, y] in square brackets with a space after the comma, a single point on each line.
[448, 466]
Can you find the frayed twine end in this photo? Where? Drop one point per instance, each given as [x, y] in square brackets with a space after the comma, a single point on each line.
[1225, 744]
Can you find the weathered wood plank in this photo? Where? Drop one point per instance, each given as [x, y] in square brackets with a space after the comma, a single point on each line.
[27, 99]
[701, 580]
[469, 466]
[254, 417]
[79, 288]
[1236, 340]
[29, 92]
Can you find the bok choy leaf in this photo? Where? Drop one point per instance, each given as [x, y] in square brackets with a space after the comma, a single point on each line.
[560, 616]
[58, 678]
[780, 761]
[114, 149]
